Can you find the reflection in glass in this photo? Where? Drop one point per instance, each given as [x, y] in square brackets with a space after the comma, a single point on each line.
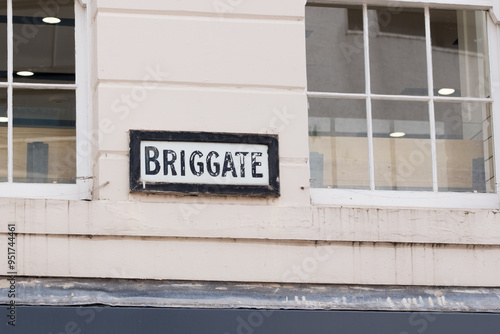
[401, 145]
[464, 147]
[3, 135]
[3, 40]
[47, 50]
[338, 143]
[460, 53]
[397, 51]
[335, 61]
[44, 136]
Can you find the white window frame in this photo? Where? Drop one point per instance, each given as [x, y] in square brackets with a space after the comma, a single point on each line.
[420, 199]
[83, 186]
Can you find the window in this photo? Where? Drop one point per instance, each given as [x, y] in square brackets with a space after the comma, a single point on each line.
[400, 100]
[42, 100]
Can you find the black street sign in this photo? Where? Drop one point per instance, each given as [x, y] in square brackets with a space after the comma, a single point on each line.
[204, 163]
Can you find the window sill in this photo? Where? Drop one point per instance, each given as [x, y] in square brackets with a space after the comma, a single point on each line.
[404, 199]
[78, 191]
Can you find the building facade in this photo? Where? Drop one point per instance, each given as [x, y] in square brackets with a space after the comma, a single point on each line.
[377, 190]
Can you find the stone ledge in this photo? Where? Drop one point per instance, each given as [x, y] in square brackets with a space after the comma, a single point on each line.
[186, 294]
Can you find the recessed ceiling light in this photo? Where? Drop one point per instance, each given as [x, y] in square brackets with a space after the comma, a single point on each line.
[51, 20]
[4, 119]
[397, 134]
[25, 73]
[446, 91]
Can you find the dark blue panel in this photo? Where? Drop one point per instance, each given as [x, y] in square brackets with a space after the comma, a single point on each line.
[95, 320]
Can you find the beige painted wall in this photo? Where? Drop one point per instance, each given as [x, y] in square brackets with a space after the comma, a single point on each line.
[181, 65]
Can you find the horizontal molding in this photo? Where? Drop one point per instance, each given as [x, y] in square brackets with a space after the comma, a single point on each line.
[201, 86]
[267, 261]
[249, 218]
[221, 9]
[222, 15]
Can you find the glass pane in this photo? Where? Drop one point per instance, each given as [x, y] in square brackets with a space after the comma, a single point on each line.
[402, 145]
[3, 40]
[464, 147]
[44, 136]
[338, 143]
[397, 51]
[460, 53]
[44, 52]
[3, 135]
[335, 49]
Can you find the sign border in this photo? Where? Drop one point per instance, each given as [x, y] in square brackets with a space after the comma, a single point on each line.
[136, 136]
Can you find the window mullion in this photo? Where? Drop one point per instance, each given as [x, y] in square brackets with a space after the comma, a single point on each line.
[368, 92]
[494, 63]
[10, 69]
[83, 114]
[430, 85]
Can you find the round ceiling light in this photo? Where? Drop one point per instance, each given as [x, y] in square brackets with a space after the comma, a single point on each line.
[446, 91]
[51, 20]
[25, 73]
[397, 134]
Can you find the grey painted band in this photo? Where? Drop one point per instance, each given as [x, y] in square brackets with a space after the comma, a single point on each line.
[182, 294]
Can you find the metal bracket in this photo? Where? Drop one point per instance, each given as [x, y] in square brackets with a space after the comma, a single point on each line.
[83, 3]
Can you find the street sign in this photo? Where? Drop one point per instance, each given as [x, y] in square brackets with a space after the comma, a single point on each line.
[204, 163]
